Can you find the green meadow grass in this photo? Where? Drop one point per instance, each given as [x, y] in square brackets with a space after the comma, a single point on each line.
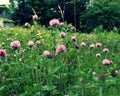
[76, 72]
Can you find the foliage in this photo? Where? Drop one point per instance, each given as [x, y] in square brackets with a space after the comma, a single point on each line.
[85, 15]
[48, 9]
[23, 12]
[5, 19]
[80, 70]
[105, 13]
[73, 9]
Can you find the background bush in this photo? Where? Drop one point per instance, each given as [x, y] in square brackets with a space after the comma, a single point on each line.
[105, 13]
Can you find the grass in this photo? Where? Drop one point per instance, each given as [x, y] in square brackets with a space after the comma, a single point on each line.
[76, 72]
[5, 19]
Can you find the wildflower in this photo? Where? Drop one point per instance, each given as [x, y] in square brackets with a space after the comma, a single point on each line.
[62, 34]
[27, 24]
[98, 44]
[114, 73]
[14, 55]
[39, 34]
[47, 53]
[60, 48]
[15, 44]
[3, 43]
[73, 38]
[3, 52]
[92, 46]
[73, 29]
[30, 43]
[94, 73]
[54, 22]
[35, 17]
[8, 39]
[101, 77]
[20, 59]
[105, 50]
[83, 44]
[107, 62]
[98, 55]
[76, 46]
[37, 42]
[66, 95]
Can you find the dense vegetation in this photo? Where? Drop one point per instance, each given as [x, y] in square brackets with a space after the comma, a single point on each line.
[84, 14]
[105, 13]
[50, 57]
[57, 61]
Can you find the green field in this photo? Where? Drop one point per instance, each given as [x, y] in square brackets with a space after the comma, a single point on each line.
[82, 65]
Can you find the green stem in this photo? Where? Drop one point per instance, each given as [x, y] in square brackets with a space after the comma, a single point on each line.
[114, 88]
[100, 91]
[83, 92]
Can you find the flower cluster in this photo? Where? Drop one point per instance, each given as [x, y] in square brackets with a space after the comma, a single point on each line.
[83, 44]
[54, 22]
[60, 48]
[107, 62]
[30, 43]
[47, 53]
[35, 17]
[15, 44]
[73, 38]
[3, 52]
[92, 46]
[98, 44]
[62, 34]
[105, 50]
